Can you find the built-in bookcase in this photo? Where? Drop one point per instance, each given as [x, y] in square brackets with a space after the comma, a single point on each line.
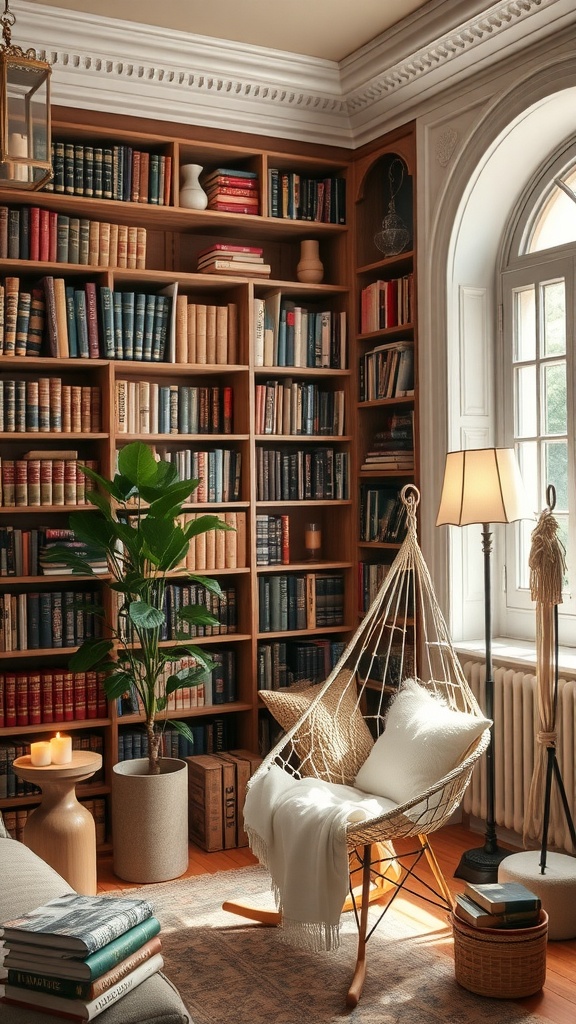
[122, 356]
[384, 351]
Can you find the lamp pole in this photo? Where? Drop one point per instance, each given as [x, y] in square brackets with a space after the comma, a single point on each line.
[481, 865]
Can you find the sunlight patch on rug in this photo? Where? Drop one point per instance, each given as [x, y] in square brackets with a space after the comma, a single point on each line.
[229, 971]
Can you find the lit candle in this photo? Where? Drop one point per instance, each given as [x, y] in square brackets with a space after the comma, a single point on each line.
[40, 754]
[313, 541]
[61, 749]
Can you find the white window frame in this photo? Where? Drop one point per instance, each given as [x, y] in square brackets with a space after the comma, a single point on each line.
[515, 609]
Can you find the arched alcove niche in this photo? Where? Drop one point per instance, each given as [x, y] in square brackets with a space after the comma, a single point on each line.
[486, 184]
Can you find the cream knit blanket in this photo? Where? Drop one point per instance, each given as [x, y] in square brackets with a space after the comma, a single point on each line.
[297, 829]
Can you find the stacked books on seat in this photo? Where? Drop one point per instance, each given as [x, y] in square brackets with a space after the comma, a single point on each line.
[498, 905]
[238, 260]
[76, 955]
[232, 191]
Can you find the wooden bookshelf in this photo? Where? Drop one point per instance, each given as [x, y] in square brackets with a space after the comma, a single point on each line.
[383, 324]
[174, 237]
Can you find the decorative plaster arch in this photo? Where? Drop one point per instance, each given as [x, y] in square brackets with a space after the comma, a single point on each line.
[491, 164]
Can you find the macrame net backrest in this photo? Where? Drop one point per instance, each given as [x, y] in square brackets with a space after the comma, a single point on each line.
[402, 636]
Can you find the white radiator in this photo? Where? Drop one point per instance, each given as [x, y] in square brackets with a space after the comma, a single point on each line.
[515, 723]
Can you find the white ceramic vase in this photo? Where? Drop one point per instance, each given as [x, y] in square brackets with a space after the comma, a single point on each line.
[150, 820]
[192, 195]
[310, 269]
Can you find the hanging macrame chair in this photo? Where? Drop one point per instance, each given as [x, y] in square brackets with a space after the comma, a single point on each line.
[330, 736]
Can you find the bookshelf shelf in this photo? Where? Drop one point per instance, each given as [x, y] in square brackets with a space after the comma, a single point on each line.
[174, 237]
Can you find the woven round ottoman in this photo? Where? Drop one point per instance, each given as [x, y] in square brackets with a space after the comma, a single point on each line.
[556, 888]
[503, 963]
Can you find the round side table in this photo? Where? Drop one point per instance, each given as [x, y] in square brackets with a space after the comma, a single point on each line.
[61, 831]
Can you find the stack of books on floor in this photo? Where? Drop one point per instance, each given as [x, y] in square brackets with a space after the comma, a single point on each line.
[239, 260]
[76, 955]
[498, 905]
[232, 191]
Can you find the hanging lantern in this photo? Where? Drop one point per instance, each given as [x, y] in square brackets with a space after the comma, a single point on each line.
[25, 144]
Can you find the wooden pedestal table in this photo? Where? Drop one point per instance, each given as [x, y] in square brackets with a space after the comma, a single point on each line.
[61, 831]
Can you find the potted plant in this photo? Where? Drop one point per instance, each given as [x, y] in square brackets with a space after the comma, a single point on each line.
[136, 527]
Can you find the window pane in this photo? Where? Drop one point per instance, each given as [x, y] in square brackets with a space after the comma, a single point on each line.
[526, 403]
[524, 324]
[556, 471]
[556, 224]
[554, 314]
[527, 454]
[554, 398]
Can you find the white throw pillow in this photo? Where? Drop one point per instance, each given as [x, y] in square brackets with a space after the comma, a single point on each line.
[423, 740]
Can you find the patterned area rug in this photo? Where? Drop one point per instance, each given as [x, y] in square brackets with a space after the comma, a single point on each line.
[229, 971]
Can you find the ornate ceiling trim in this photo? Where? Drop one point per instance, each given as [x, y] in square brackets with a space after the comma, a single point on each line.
[124, 67]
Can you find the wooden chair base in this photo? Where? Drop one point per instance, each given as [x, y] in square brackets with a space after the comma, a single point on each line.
[381, 872]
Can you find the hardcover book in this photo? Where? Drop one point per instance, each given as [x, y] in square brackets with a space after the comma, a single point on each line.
[473, 914]
[503, 897]
[78, 924]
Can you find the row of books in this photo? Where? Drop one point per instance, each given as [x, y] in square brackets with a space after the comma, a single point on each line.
[218, 549]
[50, 695]
[111, 171]
[272, 540]
[302, 197]
[498, 905]
[387, 372]
[282, 663]
[145, 407]
[12, 785]
[206, 333]
[382, 514]
[298, 407]
[77, 955]
[371, 576]
[31, 552]
[47, 620]
[219, 686]
[15, 820]
[210, 735]
[45, 236]
[237, 260]
[223, 607]
[218, 471]
[44, 478]
[291, 601]
[387, 304]
[296, 475]
[232, 190]
[289, 334]
[47, 405]
[217, 785]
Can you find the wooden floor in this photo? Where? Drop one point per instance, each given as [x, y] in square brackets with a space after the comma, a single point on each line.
[556, 1002]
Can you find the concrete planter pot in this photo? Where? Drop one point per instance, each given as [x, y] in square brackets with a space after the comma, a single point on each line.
[150, 820]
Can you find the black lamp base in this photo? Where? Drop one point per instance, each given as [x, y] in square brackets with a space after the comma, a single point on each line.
[481, 865]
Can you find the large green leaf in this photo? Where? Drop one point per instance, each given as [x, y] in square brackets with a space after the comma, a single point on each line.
[183, 729]
[137, 463]
[212, 586]
[197, 614]
[144, 616]
[90, 654]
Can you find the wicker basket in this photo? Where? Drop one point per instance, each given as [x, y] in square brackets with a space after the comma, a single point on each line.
[502, 963]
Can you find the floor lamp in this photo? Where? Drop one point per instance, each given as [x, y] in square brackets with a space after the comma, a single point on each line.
[483, 486]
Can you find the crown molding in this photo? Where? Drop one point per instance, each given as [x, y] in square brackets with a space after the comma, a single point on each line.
[128, 68]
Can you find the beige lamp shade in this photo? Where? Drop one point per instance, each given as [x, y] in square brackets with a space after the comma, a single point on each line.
[482, 486]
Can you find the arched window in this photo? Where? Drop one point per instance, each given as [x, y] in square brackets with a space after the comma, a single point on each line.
[539, 416]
